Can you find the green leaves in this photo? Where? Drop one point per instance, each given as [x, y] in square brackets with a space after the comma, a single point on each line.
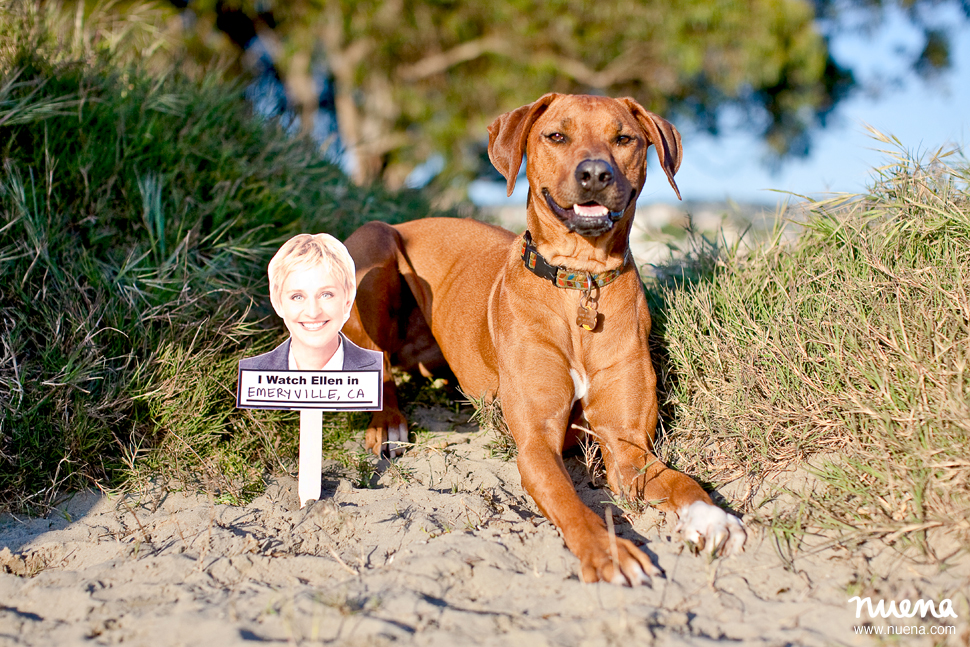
[414, 78]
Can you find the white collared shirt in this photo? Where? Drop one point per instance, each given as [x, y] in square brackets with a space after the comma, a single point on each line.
[336, 362]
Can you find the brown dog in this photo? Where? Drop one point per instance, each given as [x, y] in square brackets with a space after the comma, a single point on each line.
[554, 323]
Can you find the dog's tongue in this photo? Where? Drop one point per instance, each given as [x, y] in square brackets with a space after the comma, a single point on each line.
[588, 210]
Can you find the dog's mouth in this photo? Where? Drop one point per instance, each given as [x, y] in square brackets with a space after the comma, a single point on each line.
[586, 219]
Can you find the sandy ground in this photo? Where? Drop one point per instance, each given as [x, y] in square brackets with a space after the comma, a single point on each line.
[447, 549]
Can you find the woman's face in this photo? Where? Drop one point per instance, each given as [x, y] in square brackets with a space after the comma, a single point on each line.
[314, 306]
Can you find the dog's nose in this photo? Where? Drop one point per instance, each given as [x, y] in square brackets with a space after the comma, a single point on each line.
[594, 175]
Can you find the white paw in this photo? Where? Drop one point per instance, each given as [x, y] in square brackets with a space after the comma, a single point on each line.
[397, 438]
[708, 528]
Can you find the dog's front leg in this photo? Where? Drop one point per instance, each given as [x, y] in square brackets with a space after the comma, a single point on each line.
[537, 418]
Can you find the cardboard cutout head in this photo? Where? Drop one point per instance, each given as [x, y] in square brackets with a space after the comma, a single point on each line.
[312, 288]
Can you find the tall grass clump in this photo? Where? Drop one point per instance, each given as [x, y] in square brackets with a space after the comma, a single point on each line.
[138, 211]
[847, 352]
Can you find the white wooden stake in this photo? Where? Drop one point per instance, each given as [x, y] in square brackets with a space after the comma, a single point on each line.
[311, 454]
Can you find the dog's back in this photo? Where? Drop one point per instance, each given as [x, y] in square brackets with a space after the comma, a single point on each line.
[449, 266]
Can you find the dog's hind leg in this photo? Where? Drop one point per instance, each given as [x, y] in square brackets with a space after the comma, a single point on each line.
[385, 317]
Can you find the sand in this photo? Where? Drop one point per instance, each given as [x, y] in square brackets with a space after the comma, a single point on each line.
[446, 549]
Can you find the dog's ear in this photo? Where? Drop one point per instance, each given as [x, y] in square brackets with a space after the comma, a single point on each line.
[664, 137]
[507, 137]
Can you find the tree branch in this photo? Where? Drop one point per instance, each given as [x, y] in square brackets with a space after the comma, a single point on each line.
[631, 64]
[438, 63]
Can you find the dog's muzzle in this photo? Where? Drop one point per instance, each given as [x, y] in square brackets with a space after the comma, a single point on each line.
[588, 219]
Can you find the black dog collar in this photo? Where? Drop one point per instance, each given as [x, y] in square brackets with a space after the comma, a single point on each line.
[563, 277]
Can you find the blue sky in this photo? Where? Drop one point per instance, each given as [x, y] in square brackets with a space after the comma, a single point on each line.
[922, 115]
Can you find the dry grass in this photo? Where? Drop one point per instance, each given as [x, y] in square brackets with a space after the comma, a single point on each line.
[488, 416]
[846, 352]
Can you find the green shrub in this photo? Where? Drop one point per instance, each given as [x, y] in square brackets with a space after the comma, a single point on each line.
[138, 211]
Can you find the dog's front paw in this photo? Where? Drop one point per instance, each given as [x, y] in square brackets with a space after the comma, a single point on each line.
[388, 431]
[708, 528]
[618, 562]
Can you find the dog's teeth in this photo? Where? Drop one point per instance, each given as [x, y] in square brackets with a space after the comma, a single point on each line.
[590, 210]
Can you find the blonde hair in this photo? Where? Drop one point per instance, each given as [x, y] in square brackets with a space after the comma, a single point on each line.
[306, 250]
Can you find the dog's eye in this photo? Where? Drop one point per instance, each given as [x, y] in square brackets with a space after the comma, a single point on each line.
[623, 140]
[556, 138]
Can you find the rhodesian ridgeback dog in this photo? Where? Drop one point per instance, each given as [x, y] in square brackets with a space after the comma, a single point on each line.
[554, 323]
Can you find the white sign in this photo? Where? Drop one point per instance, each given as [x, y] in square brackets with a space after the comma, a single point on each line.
[325, 390]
